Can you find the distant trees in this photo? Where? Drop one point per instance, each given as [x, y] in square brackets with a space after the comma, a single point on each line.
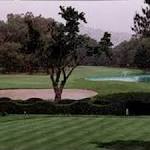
[18, 31]
[104, 46]
[142, 55]
[10, 58]
[124, 54]
[35, 43]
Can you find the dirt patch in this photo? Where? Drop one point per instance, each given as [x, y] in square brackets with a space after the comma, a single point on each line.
[24, 94]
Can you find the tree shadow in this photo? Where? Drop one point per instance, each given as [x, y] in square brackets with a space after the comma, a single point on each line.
[124, 145]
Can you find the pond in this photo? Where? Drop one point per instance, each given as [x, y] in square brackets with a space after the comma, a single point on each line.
[130, 78]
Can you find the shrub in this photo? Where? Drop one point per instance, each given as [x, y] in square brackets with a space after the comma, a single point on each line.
[47, 107]
[114, 104]
[122, 98]
[137, 103]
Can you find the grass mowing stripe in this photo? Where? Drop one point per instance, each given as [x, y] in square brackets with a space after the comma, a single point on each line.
[31, 129]
[26, 122]
[76, 136]
[109, 130]
[136, 135]
[55, 133]
[119, 130]
[79, 139]
[28, 127]
[19, 121]
[90, 139]
[144, 131]
[44, 131]
[60, 126]
[91, 130]
[104, 122]
[75, 132]
[21, 125]
[124, 134]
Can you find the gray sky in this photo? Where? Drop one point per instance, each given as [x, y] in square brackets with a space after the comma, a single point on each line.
[109, 15]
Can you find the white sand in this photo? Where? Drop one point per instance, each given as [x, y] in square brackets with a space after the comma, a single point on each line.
[24, 94]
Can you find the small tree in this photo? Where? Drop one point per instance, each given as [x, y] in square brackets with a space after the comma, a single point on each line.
[103, 47]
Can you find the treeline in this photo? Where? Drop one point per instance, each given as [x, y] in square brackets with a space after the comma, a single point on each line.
[15, 39]
[25, 44]
[25, 39]
[134, 53]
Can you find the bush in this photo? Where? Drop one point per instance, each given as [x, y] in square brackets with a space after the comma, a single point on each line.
[122, 98]
[137, 103]
[114, 104]
[69, 107]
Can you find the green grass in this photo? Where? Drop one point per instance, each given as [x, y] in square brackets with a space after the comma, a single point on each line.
[40, 132]
[69, 133]
[77, 80]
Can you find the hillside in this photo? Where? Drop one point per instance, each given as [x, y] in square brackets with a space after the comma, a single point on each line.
[117, 37]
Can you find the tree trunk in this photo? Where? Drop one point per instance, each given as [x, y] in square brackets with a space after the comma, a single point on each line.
[58, 94]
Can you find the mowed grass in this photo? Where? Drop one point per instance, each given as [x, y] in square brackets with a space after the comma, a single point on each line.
[44, 132]
[77, 80]
[69, 133]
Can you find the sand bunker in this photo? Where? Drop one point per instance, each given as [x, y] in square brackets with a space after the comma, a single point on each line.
[24, 94]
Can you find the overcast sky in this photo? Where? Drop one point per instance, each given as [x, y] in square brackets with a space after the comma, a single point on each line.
[106, 15]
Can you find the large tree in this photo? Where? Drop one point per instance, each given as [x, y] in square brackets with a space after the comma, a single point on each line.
[60, 53]
[142, 22]
[64, 57]
[142, 33]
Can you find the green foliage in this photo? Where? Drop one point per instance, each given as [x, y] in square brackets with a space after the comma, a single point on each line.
[61, 51]
[142, 32]
[124, 53]
[10, 58]
[142, 22]
[114, 104]
[142, 56]
[133, 53]
[123, 98]
[37, 106]
[103, 46]
[18, 30]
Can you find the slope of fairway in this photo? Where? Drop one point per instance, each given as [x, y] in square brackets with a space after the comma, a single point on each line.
[77, 80]
[69, 133]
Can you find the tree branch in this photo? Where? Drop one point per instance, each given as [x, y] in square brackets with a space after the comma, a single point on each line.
[71, 71]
